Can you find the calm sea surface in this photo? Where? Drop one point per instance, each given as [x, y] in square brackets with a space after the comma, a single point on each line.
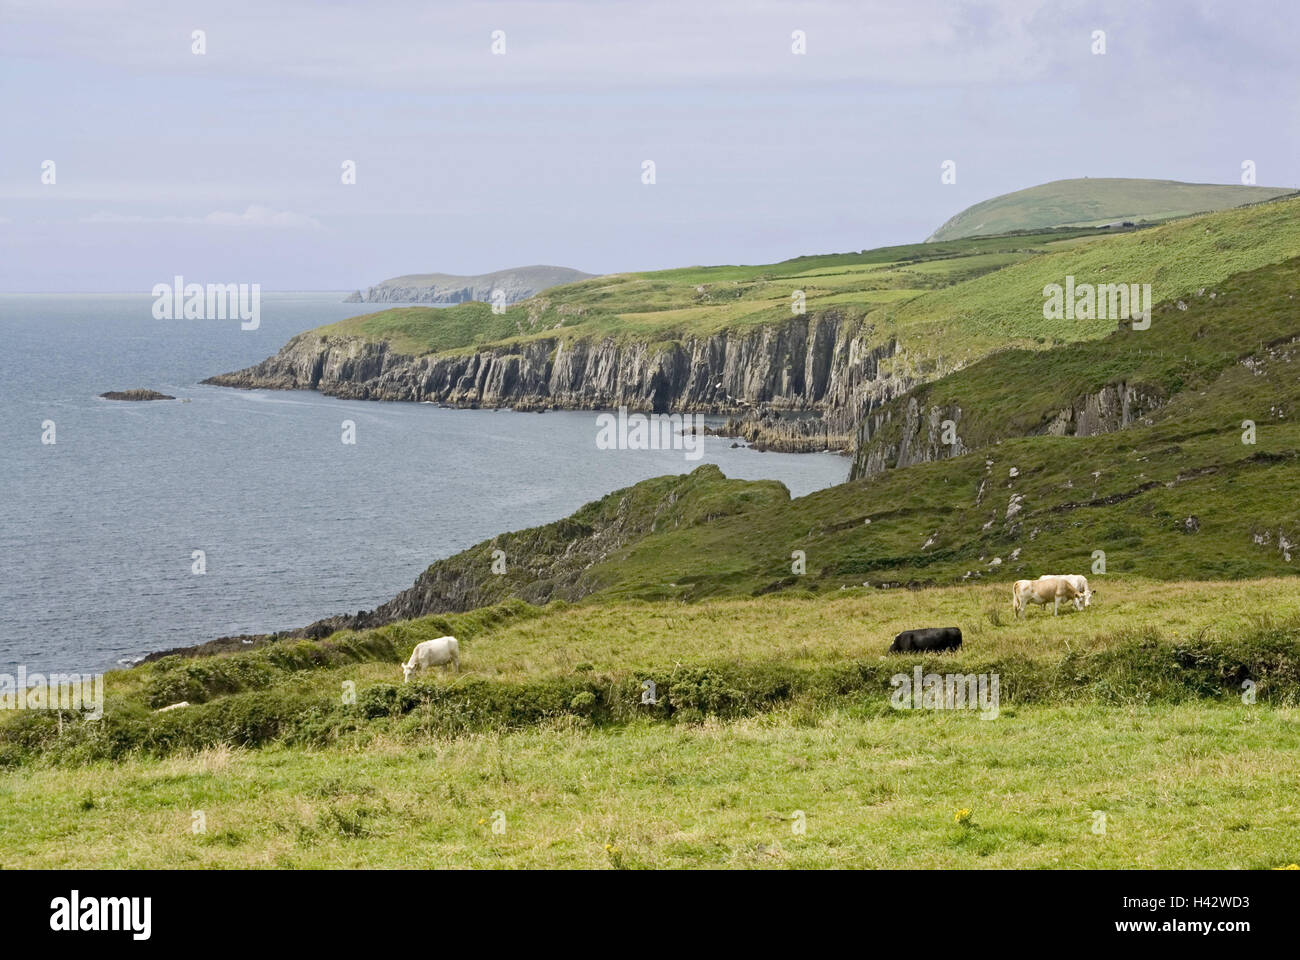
[97, 530]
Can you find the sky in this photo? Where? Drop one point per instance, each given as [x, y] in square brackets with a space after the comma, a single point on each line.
[228, 165]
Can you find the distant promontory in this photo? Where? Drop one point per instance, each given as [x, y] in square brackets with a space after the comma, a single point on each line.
[504, 286]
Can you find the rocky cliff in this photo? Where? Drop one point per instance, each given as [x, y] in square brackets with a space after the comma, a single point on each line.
[910, 430]
[823, 364]
[513, 285]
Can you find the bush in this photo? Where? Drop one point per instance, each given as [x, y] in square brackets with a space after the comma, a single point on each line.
[1139, 668]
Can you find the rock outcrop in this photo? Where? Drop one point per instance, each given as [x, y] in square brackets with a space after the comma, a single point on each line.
[135, 395]
[912, 431]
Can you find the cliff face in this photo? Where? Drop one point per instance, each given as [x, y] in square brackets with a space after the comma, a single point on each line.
[920, 435]
[809, 364]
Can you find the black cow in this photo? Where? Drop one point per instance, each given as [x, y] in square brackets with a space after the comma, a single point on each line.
[927, 638]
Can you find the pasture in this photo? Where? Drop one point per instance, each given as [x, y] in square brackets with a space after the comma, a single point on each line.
[1183, 785]
[769, 705]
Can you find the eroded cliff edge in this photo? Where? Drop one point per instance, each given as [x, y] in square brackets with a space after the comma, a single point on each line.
[825, 364]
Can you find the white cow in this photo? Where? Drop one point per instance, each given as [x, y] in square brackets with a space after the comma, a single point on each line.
[432, 653]
[1044, 590]
[1080, 584]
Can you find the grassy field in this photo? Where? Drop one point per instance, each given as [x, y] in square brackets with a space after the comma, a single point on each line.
[1178, 786]
[1126, 735]
[1097, 200]
[1140, 642]
[1005, 309]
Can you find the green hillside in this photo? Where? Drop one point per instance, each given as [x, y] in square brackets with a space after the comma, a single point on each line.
[946, 305]
[1192, 344]
[1222, 360]
[668, 304]
[1096, 201]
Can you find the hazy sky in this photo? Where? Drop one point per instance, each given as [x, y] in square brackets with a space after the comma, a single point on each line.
[226, 167]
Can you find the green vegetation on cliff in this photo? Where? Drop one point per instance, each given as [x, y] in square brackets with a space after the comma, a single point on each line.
[1185, 365]
[697, 301]
[942, 306]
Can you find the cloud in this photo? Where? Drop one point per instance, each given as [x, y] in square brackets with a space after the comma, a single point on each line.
[254, 216]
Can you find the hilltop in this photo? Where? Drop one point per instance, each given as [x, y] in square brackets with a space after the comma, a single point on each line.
[1098, 201]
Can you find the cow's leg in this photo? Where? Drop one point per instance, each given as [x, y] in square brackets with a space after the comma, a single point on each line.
[1056, 606]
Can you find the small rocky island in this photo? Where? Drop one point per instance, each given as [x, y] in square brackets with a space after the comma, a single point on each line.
[135, 395]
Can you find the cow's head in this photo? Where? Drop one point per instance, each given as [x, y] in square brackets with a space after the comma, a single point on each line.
[407, 670]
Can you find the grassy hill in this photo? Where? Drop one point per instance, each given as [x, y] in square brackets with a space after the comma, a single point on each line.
[940, 306]
[1095, 201]
[697, 301]
[1192, 344]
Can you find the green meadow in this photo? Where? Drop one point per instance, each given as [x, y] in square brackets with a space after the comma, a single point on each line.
[1136, 709]
[1129, 786]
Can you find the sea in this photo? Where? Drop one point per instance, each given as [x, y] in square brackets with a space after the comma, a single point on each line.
[150, 525]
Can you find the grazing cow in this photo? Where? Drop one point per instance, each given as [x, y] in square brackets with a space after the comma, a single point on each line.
[432, 653]
[927, 639]
[1080, 584]
[1045, 590]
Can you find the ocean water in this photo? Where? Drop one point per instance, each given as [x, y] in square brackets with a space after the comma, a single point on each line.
[98, 530]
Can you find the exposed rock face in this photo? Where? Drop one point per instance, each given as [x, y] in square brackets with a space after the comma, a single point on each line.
[767, 430]
[1114, 407]
[135, 395]
[921, 437]
[513, 285]
[820, 363]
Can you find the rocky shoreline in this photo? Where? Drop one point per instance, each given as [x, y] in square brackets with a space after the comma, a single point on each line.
[801, 385]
